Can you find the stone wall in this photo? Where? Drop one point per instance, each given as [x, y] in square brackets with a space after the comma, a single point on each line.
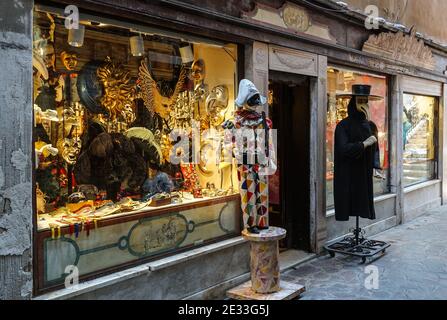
[15, 149]
[427, 16]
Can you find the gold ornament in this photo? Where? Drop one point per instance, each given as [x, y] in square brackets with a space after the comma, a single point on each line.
[119, 93]
[40, 201]
[153, 99]
[166, 147]
[217, 104]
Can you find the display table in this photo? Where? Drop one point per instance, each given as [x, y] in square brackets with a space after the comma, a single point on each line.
[265, 273]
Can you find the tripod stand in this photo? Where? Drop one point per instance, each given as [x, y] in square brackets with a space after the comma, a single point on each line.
[357, 245]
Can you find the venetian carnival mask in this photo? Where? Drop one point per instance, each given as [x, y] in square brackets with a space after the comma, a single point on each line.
[69, 60]
[49, 55]
[198, 70]
[362, 106]
[118, 90]
[59, 88]
[216, 104]
[73, 121]
[69, 149]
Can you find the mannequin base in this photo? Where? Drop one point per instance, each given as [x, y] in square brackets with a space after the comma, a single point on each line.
[358, 247]
[288, 291]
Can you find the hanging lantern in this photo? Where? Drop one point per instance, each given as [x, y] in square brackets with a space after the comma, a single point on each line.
[137, 46]
[76, 36]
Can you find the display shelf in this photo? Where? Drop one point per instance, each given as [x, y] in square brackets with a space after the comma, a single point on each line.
[148, 211]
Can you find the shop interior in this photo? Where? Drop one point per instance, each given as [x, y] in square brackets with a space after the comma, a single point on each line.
[289, 188]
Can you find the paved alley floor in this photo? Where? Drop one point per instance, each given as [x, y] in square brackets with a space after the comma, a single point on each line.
[414, 267]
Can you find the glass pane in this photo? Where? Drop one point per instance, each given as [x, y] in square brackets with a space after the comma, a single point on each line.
[109, 111]
[418, 139]
[114, 112]
[340, 81]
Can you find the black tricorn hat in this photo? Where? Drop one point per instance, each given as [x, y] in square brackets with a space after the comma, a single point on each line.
[360, 90]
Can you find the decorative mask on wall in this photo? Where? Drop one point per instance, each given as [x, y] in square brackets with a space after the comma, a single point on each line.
[69, 60]
[49, 55]
[198, 71]
[216, 105]
[153, 99]
[118, 90]
[73, 121]
[69, 149]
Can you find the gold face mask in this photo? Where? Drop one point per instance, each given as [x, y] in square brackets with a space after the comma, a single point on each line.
[363, 106]
[119, 93]
[69, 60]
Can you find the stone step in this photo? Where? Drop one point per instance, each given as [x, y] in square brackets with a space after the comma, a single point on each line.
[415, 166]
[418, 140]
[415, 156]
[416, 174]
[422, 145]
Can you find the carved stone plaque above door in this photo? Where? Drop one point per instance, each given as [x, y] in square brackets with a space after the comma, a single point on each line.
[293, 61]
[401, 47]
[289, 18]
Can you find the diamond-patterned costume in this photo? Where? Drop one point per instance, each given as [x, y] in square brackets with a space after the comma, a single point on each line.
[252, 145]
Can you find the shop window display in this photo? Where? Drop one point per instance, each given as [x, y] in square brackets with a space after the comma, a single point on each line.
[340, 82]
[419, 154]
[116, 179]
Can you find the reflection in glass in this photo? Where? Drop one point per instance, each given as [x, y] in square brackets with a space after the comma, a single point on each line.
[418, 139]
[340, 81]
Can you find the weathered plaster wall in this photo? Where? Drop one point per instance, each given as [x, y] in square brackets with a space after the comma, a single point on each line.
[427, 16]
[15, 149]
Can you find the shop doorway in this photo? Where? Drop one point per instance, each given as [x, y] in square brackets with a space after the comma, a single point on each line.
[289, 109]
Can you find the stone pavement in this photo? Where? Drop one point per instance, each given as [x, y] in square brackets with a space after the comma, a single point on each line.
[414, 267]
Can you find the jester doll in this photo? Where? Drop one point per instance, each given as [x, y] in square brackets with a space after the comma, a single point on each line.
[251, 144]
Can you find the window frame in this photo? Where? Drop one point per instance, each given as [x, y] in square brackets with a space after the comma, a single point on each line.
[436, 138]
[387, 78]
[38, 258]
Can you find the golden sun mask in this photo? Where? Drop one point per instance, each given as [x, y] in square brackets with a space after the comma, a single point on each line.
[119, 93]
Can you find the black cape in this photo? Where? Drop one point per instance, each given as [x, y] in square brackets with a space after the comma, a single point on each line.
[353, 166]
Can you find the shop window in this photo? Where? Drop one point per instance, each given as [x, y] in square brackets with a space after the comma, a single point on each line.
[419, 142]
[116, 183]
[339, 82]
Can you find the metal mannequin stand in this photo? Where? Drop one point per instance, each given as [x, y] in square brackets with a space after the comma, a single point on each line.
[357, 245]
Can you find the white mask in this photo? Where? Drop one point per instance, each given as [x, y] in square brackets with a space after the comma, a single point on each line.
[363, 107]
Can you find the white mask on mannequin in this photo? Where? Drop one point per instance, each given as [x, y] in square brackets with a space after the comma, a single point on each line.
[362, 106]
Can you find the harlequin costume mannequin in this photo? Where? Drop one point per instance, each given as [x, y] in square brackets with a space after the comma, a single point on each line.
[253, 182]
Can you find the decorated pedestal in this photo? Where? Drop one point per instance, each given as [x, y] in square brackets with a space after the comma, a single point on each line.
[265, 273]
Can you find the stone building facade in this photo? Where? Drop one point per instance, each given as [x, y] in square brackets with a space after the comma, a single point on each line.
[298, 41]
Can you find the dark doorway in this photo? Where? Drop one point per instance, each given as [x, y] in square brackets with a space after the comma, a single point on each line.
[289, 109]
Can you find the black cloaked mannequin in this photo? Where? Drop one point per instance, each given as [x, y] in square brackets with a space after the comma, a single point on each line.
[356, 155]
